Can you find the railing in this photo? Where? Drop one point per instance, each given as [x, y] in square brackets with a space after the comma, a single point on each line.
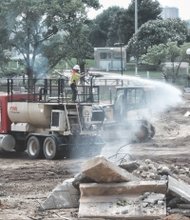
[49, 90]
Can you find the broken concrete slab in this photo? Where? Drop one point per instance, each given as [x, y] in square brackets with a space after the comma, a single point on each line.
[179, 187]
[185, 212]
[63, 196]
[129, 200]
[130, 166]
[123, 207]
[101, 170]
[134, 187]
[176, 217]
[80, 178]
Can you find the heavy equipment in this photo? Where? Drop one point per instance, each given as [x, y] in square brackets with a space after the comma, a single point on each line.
[37, 116]
[129, 115]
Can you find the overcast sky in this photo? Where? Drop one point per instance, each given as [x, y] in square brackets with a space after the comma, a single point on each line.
[182, 5]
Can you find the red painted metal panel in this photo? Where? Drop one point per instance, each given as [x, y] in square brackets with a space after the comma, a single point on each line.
[5, 123]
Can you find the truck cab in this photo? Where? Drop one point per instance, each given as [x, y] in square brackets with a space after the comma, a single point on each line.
[131, 103]
[129, 113]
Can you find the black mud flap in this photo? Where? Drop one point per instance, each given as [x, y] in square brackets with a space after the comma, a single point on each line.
[86, 146]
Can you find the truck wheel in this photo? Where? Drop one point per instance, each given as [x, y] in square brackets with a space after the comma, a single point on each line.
[50, 148]
[34, 149]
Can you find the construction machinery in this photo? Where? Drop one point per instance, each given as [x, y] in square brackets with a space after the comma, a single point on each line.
[37, 116]
[128, 116]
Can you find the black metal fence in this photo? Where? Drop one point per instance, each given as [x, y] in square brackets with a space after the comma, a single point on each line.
[50, 90]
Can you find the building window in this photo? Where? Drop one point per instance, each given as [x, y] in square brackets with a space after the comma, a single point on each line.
[105, 56]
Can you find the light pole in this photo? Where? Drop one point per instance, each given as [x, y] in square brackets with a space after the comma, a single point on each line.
[136, 17]
[121, 54]
[188, 78]
[136, 29]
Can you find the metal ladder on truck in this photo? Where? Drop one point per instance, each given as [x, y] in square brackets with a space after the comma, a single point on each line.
[73, 118]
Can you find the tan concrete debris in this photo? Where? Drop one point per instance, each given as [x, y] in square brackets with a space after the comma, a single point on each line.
[127, 188]
[126, 207]
[101, 170]
[179, 187]
[118, 195]
[64, 195]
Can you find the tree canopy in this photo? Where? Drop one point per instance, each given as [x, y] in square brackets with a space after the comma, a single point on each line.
[31, 27]
[101, 26]
[118, 25]
[155, 32]
[170, 52]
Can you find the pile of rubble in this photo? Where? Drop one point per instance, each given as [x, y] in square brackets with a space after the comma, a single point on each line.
[134, 190]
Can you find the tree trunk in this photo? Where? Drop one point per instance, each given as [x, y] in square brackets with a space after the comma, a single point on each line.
[29, 73]
[82, 67]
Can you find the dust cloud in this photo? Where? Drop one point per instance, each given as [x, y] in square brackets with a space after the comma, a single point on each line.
[162, 95]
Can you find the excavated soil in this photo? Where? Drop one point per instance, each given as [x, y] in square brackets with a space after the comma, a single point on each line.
[25, 183]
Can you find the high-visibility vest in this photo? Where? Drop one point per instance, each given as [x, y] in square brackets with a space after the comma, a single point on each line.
[74, 77]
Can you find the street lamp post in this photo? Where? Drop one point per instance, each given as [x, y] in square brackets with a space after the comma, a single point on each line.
[188, 78]
[121, 53]
[136, 29]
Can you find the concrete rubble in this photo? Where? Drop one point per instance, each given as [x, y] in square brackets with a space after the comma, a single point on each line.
[134, 190]
[180, 188]
[103, 171]
[64, 195]
[122, 200]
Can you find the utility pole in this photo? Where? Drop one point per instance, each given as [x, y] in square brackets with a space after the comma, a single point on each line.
[121, 54]
[136, 29]
[136, 17]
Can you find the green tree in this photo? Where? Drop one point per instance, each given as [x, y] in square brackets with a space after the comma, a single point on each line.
[101, 25]
[26, 29]
[73, 41]
[118, 25]
[170, 52]
[155, 55]
[147, 10]
[32, 25]
[157, 32]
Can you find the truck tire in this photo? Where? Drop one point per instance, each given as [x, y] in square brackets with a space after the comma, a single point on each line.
[50, 148]
[34, 148]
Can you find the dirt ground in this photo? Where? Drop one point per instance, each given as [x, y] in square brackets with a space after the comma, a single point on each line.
[25, 183]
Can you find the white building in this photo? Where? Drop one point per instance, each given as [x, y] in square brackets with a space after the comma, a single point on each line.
[170, 12]
[110, 58]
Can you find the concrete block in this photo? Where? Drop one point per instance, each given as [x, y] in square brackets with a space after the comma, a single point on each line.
[123, 207]
[63, 196]
[127, 188]
[140, 200]
[101, 170]
[131, 210]
[179, 188]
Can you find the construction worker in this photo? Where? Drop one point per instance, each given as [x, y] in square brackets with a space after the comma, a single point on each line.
[74, 80]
